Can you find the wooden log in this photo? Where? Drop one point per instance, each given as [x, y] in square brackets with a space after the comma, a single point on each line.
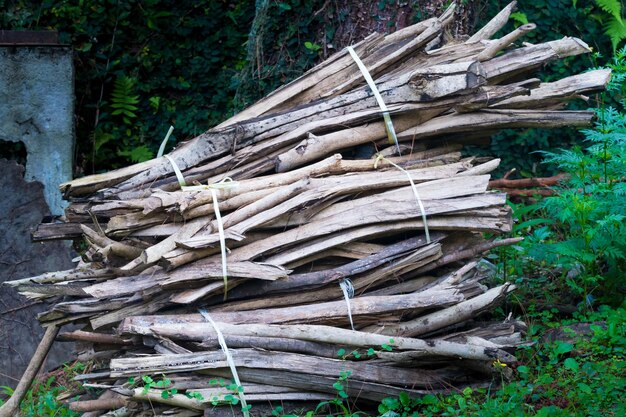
[527, 182]
[99, 404]
[336, 311]
[421, 257]
[494, 25]
[410, 129]
[550, 94]
[302, 281]
[191, 327]
[365, 211]
[496, 46]
[78, 274]
[279, 202]
[306, 364]
[56, 231]
[274, 344]
[91, 337]
[531, 57]
[460, 312]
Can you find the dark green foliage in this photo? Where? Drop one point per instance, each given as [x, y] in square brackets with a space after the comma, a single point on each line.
[590, 227]
[41, 399]
[574, 252]
[281, 46]
[584, 378]
[614, 26]
[141, 66]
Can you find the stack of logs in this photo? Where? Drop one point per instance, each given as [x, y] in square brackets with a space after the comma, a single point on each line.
[346, 253]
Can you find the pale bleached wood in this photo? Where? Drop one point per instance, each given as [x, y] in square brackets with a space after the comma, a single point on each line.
[496, 119]
[355, 389]
[494, 25]
[379, 63]
[92, 337]
[189, 274]
[330, 292]
[531, 57]
[154, 253]
[336, 311]
[257, 187]
[451, 94]
[319, 189]
[77, 274]
[109, 245]
[334, 65]
[11, 407]
[484, 224]
[193, 295]
[272, 343]
[192, 328]
[212, 143]
[382, 207]
[548, 94]
[143, 307]
[497, 45]
[449, 79]
[90, 306]
[458, 313]
[310, 365]
[384, 255]
[206, 270]
[481, 169]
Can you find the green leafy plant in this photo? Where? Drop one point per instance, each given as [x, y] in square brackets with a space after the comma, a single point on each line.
[590, 243]
[574, 248]
[614, 26]
[41, 398]
[123, 100]
[164, 384]
[356, 354]
[581, 378]
[339, 404]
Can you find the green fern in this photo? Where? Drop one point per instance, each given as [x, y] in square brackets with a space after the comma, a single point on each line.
[616, 31]
[612, 7]
[614, 28]
[589, 207]
[123, 101]
[140, 153]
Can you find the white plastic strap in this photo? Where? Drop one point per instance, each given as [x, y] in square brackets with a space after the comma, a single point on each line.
[391, 132]
[348, 292]
[225, 183]
[415, 193]
[179, 175]
[220, 229]
[162, 147]
[229, 360]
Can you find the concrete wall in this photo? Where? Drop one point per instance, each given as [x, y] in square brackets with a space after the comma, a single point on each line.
[37, 108]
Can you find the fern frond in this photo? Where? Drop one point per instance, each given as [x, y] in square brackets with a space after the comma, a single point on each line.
[612, 7]
[616, 31]
[123, 101]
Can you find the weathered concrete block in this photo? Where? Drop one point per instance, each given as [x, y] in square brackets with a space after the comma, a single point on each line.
[37, 108]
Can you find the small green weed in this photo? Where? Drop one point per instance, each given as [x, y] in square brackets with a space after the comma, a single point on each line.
[584, 378]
